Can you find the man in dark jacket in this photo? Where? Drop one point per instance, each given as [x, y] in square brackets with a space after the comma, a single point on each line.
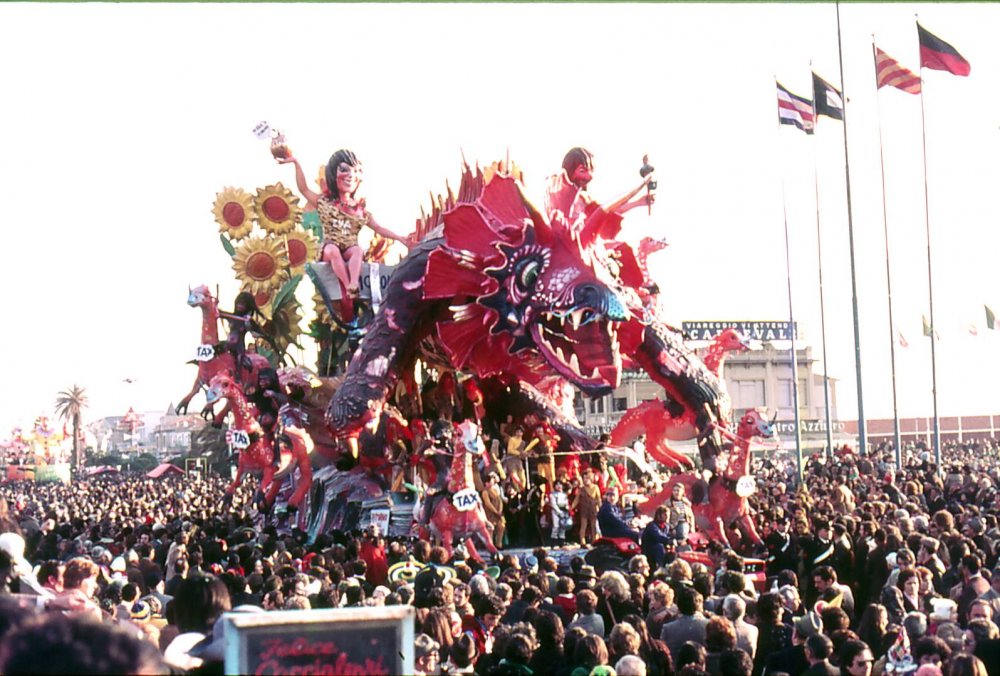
[655, 538]
[610, 521]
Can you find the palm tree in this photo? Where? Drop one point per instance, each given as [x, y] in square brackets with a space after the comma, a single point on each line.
[69, 406]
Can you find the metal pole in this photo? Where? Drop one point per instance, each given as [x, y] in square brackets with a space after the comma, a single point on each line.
[897, 440]
[862, 433]
[930, 289]
[822, 314]
[791, 319]
[795, 359]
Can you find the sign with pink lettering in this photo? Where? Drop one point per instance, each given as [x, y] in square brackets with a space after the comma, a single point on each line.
[370, 641]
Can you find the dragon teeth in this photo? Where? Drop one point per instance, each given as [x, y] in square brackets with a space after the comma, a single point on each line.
[574, 363]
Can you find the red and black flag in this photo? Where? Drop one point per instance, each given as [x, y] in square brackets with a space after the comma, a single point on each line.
[937, 54]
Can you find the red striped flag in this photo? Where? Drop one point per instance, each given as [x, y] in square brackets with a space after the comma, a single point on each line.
[795, 110]
[890, 73]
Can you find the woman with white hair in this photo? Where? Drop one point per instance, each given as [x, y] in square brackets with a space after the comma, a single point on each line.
[615, 598]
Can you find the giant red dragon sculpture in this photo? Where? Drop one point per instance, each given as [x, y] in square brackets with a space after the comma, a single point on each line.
[495, 290]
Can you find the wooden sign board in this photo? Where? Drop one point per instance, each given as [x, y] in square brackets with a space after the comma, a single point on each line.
[376, 640]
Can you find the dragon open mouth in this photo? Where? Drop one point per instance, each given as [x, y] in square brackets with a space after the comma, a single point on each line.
[582, 345]
[213, 394]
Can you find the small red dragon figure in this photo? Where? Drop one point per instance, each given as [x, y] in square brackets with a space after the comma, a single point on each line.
[725, 515]
[257, 455]
[659, 420]
[460, 515]
[210, 361]
[494, 290]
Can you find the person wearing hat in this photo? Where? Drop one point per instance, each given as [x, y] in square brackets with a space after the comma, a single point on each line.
[782, 547]
[426, 654]
[587, 577]
[793, 660]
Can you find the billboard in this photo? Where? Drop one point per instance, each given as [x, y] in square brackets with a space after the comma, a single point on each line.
[374, 640]
[750, 328]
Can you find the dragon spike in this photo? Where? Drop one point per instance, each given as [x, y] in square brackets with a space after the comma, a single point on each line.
[543, 230]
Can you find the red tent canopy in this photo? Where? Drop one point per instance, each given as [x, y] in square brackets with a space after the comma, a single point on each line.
[165, 469]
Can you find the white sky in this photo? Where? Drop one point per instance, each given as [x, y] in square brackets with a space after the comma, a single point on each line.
[122, 122]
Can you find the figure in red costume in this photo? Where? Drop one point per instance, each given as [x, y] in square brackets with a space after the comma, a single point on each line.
[568, 203]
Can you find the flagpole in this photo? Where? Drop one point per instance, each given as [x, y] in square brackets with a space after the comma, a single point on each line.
[897, 441]
[791, 321]
[862, 432]
[822, 305]
[930, 282]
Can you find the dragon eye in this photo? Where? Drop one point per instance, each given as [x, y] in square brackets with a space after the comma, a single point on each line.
[527, 273]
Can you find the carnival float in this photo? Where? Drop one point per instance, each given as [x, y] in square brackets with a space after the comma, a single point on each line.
[499, 311]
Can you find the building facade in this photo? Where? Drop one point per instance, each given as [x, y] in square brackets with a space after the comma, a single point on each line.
[755, 379]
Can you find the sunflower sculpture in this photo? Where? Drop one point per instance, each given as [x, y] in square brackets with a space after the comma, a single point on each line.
[234, 212]
[302, 248]
[277, 209]
[283, 325]
[261, 265]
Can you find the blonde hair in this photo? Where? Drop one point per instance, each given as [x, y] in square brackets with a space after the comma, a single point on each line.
[614, 585]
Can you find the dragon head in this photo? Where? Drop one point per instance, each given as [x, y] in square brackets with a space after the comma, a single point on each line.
[732, 340]
[469, 437]
[222, 386]
[199, 296]
[545, 300]
[754, 424]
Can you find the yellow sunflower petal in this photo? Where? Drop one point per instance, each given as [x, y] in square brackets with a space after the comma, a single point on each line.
[277, 209]
[234, 212]
[261, 264]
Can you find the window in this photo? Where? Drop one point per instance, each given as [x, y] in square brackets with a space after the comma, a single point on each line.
[620, 404]
[749, 394]
[784, 393]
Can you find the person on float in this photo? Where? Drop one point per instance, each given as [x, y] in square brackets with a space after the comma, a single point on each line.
[266, 394]
[681, 517]
[656, 536]
[241, 321]
[342, 215]
[610, 521]
[566, 194]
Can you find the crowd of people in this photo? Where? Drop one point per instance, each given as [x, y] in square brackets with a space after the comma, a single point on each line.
[870, 570]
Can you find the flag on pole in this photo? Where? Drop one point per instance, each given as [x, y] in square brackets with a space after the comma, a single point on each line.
[829, 102]
[901, 339]
[937, 54]
[795, 110]
[991, 319]
[891, 73]
[973, 329]
[927, 328]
